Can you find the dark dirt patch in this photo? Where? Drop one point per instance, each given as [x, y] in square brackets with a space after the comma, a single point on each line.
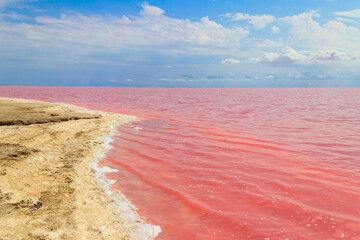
[4, 197]
[79, 134]
[13, 152]
[23, 205]
[14, 113]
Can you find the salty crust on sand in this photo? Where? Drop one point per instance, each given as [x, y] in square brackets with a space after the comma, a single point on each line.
[47, 187]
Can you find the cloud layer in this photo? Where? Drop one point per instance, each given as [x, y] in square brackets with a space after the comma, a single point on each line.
[150, 30]
[234, 42]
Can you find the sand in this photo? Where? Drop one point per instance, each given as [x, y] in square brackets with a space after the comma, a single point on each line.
[47, 188]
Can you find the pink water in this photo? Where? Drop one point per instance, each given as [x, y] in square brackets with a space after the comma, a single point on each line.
[233, 163]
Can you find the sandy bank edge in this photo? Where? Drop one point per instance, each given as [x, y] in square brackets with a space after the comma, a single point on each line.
[135, 225]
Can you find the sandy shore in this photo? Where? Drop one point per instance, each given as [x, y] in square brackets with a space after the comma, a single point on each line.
[47, 188]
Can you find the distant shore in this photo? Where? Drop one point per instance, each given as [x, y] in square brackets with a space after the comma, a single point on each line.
[48, 189]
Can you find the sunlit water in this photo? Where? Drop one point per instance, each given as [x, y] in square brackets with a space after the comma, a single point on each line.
[233, 163]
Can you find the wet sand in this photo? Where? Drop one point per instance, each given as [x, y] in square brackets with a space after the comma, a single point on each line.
[47, 187]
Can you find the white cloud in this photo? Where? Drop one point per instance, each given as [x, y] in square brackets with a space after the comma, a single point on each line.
[258, 21]
[352, 14]
[306, 33]
[230, 61]
[288, 55]
[329, 56]
[275, 29]
[13, 15]
[151, 11]
[302, 24]
[344, 19]
[269, 76]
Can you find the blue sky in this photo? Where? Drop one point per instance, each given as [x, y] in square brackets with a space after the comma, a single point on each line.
[205, 43]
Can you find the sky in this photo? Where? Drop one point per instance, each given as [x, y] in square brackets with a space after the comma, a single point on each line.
[166, 43]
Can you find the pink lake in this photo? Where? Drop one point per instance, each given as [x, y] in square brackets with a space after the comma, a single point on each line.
[232, 163]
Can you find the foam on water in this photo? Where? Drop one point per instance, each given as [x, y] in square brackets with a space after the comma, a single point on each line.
[135, 224]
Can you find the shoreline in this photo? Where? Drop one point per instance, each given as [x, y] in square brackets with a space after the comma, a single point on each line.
[97, 210]
[135, 223]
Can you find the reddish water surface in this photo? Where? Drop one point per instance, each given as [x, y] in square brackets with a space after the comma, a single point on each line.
[233, 163]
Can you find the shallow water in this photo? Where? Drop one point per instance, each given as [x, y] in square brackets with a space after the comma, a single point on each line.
[233, 163]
